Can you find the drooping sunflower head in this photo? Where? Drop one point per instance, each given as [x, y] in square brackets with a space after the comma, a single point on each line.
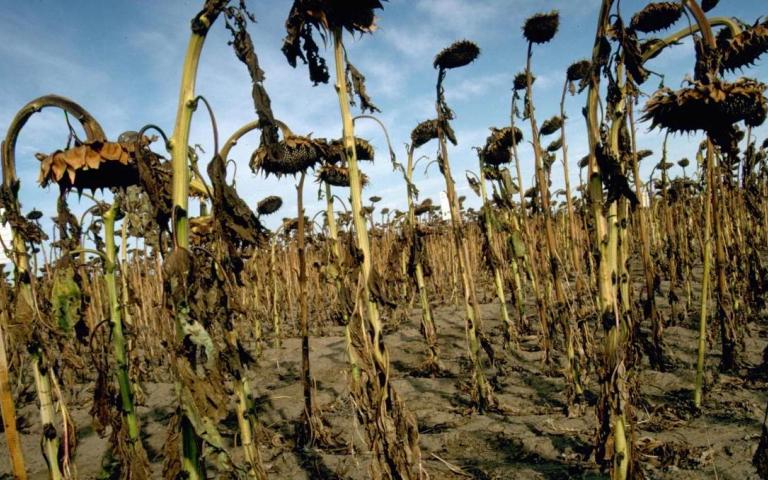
[458, 54]
[578, 71]
[641, 154]
[269, 205]
[713, 107]
[299, 154]
[363, 149]
[498, 144]
[542, 27]
[656, 16]
[551, 125]
[521, 81]
[424, 207]
[423, 133]
[743, 49]
[92, 165]
[338, 176]
[327, 16]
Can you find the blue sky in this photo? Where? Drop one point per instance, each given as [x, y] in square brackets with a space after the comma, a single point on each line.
[122, 61]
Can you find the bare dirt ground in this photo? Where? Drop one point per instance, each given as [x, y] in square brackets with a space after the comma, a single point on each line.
[538, 441]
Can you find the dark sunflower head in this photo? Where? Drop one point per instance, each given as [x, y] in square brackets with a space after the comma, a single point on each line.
[641, 154]
[363, 149]
[497, 146]
[337, 176]
[743, 49]
[551, 125]
[656, 16]
[423, 207]
[325, 15]
[424, 132]
[521, 82]
[299, 154]
[457, 55]
[269, 205]
[712, 107]
[541, 27]
[578, 71]
[708, 5]
[555, 145]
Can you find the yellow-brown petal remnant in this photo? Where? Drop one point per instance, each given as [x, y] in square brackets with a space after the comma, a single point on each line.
[91, 165]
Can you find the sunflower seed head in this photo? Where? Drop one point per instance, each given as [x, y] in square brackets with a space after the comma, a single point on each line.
[551, 125]
[743, 49]
[578, 71]
[269, 205]
[299, 154]
[424, 133]
[521, 83]
[542, 27]
[710, 107]
[363, 150]
[656, 16]
[457, 55]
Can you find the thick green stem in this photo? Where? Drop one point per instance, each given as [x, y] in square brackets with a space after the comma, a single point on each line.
[127, 406]
[192, 464]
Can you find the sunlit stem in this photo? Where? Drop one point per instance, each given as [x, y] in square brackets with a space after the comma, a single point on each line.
[191, 443]
[379, 354]
[7, 408]
[702, 347]
[482, 389]
[428, 324]
[489, 221]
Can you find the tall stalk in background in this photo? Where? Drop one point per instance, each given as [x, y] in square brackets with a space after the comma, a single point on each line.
[610, 409]
[423, 132]
[391, 430]
[458, 55]
[539, 29]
